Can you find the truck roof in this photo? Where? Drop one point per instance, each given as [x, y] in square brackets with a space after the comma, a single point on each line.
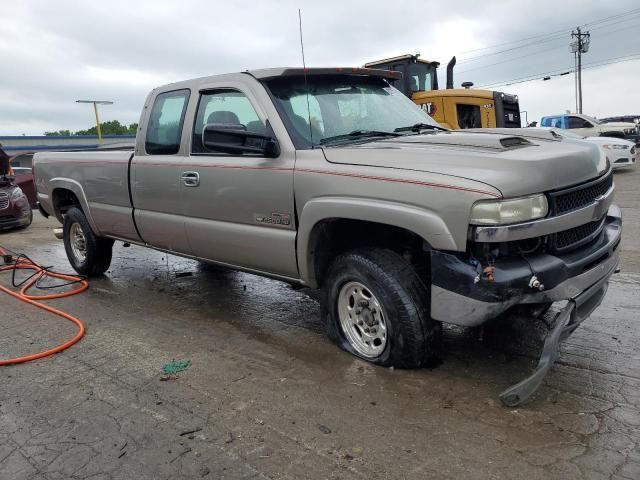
[269, 73]
[399, 58]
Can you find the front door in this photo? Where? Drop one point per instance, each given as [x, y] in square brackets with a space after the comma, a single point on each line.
[239, 208]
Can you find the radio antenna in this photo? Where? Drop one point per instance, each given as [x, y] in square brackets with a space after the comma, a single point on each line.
[304, 70]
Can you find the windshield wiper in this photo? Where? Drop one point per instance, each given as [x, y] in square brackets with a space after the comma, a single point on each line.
[420, 126]
[357, 135]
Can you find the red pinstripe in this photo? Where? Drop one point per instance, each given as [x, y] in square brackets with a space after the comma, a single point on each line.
[308, 170]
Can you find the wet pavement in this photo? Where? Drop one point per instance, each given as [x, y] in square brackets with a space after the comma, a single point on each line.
[268, 396]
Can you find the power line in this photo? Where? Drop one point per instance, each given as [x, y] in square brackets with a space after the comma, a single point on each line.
[480, 57]
[555, 34]
[562, 72]
[537, 52]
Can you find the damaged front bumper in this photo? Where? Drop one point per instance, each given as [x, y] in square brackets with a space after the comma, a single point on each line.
[463, 294]
[576, 310]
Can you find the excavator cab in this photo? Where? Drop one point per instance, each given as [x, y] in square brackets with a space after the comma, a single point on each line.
[455, 108]
[418, 75]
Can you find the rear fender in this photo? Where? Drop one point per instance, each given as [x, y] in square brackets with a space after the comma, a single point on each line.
[76, 188]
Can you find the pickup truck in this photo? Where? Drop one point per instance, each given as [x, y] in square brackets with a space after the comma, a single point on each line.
[331, 178]
[590, 127]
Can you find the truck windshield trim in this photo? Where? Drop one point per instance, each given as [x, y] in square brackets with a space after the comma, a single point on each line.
[320, 108]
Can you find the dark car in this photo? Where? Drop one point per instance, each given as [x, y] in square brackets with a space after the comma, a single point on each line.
[15, 210]
[24, 179]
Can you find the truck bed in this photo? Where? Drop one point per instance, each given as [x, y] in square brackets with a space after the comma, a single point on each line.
[101, 180]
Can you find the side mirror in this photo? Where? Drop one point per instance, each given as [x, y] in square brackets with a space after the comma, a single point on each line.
[235, 139]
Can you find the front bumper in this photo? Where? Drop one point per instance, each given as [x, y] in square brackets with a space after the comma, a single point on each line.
[461, 295]
[577, 310]
[17, 214]
[9, 222]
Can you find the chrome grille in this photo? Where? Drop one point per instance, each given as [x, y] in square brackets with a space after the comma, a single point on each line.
[574, 198]
[4, 200]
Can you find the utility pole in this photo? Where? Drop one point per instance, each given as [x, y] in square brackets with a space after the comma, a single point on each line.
[578, 47]
[95, 110]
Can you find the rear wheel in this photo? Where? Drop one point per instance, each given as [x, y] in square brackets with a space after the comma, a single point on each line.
[377, 308]
[88, 254]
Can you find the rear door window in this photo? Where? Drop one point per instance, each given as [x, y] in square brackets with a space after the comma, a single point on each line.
[164, 128]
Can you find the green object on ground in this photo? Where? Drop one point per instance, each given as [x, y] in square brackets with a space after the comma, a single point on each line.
[175, 366]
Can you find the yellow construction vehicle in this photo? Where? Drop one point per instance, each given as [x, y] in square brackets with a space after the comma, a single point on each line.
[454, 107]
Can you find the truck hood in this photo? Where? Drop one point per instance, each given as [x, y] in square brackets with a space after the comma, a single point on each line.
[519, 163]
[618, 125]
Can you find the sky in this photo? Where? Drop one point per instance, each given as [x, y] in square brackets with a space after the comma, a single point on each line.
[53, 53]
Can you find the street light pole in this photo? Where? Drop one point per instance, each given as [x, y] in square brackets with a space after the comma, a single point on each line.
[95, 110]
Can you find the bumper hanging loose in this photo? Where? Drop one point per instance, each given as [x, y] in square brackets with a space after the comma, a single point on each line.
[462, 294]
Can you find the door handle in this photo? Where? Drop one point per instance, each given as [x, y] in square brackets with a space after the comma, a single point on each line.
[190, 179]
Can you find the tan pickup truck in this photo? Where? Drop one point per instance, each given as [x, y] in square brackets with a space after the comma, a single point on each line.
[331, 178]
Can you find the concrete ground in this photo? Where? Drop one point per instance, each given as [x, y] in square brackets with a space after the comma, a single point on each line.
[268, 396]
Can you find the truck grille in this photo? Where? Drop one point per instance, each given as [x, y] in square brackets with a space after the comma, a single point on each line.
[566, 240]
[4, 201]
[575, 198]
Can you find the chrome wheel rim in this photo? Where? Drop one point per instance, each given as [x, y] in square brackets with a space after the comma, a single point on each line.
[362, 319]
[78, 242]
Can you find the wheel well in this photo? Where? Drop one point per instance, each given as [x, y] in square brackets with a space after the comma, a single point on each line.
[332, 237]
[63, 200]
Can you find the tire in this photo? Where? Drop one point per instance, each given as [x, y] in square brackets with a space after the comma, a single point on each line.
[97, 250]
[409, 334]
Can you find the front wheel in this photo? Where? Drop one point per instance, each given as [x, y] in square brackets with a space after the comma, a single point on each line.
[377, 308]
[88, 254]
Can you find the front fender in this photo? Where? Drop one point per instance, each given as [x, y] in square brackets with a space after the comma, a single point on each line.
[422, 222]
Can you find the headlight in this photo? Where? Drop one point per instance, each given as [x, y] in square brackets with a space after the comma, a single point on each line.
[501, 212]
[615, 147]
[16, 194]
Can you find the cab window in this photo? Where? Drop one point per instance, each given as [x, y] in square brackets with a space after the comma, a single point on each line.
[164, 128]
[577, 122]
[225, 108]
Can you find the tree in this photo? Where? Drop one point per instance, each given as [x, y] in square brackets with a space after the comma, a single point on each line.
[59, 133]
[113, 127]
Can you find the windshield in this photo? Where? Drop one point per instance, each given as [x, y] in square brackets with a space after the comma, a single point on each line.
[421, 76]
[339, 106]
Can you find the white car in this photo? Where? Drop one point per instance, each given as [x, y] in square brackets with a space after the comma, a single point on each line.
[621, 153]
[591, 127]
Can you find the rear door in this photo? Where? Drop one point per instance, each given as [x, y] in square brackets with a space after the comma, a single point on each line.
[239, 208]
[156, 182]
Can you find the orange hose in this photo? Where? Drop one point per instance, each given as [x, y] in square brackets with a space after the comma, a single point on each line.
[35, 300]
